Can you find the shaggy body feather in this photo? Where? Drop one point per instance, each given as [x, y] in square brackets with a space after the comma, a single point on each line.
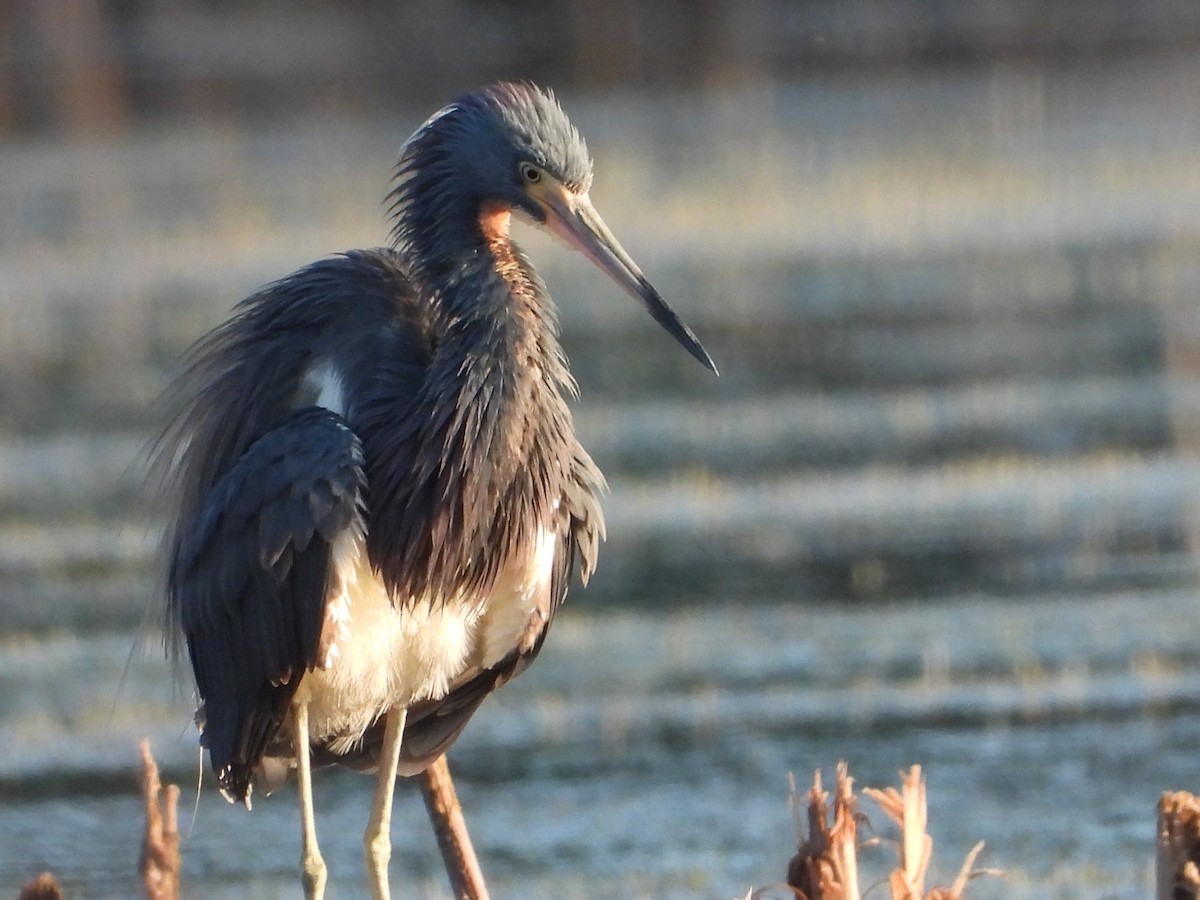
[421, 599]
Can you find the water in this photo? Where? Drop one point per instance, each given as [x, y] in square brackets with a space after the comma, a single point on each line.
[648, 754]
[940, 508]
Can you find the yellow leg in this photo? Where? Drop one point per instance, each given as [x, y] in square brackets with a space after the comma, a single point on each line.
[377, 842]
[311, 864]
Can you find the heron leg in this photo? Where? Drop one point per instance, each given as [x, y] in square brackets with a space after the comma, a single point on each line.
[377, 842]
[311, 864]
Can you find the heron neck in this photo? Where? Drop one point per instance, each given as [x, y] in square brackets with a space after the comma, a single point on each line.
[494, 432]
[498, 322]
[494, 324]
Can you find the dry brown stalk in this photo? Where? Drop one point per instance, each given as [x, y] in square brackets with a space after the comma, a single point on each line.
[43, 887]
[1178, 852]
[826, 865]
[909, 810]
[965, 874]
[159, 862]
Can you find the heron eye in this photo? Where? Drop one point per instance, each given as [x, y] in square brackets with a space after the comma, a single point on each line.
[530, 173]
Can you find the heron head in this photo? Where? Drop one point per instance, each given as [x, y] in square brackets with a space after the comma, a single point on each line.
[510, 149]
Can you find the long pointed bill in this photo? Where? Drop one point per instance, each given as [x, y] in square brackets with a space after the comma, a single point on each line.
[573, 218]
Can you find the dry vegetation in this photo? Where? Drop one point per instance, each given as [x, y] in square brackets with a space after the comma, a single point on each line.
[825, 866]
[1178, 862]
[159, 862]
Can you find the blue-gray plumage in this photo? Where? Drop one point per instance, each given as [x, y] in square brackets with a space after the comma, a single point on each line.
[380, 496]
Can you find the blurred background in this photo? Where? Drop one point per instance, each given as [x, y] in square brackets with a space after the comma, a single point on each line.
[941, 506]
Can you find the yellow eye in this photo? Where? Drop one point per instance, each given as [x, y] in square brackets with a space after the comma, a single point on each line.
[530, 173]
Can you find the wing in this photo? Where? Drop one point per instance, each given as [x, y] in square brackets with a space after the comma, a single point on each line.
[434, 725]
[251, 577]
[260, 489]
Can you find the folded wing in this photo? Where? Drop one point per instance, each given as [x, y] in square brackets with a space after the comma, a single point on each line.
[252, 575]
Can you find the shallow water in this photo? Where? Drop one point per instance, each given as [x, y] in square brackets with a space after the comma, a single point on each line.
[647, 753]
[940, 508]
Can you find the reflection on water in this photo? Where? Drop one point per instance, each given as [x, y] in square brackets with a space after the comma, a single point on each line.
[940, 508]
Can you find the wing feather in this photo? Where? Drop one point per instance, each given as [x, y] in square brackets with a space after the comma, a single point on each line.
[252, 579]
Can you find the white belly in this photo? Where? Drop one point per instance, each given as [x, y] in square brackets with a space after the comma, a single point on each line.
[386, 654]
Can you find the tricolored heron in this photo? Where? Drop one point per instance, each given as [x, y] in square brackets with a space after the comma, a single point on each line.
[380, 495]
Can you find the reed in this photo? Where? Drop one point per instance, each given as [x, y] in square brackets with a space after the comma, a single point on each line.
[825, 866]
[1177, 867]
[159, 862]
